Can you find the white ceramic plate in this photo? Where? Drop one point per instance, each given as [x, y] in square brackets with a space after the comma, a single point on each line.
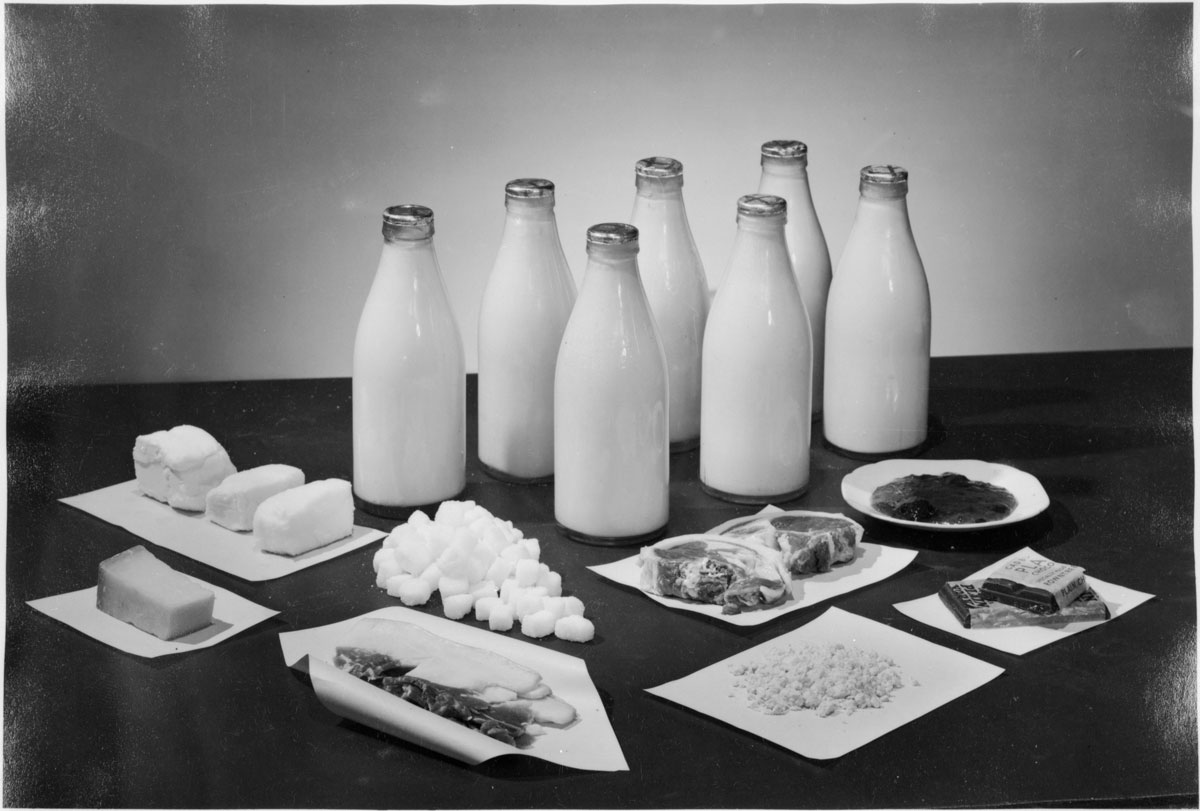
[858, 485]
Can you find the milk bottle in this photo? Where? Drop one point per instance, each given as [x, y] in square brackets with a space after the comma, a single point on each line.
[785, 174]
[877, 326]
[611, 448]
[409, 382]
[755, 414]
[526, 304]
[675, 286]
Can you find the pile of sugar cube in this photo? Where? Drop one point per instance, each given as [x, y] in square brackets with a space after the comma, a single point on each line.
[482, 564]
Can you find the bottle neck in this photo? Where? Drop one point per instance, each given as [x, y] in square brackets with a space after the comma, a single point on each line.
[660, 188]
[407, 256]
[537, 207]
[403, 247]
[613, 258]
[764, 226]
[760, 251]
[884, 212]
[791, 169]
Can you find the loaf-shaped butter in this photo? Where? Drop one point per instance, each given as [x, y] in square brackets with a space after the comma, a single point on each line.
[180, 465]
[233, 502]
[304, 518]
[138, 588]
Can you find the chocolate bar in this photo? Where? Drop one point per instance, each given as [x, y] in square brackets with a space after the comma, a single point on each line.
[972, 608]
[1035, 584]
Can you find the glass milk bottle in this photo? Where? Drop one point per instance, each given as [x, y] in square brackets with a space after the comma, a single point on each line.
[409, 383]
[611, 448]
[756, 410]
[525, 308]
[676, 287]
[785, 174]
[877, 326]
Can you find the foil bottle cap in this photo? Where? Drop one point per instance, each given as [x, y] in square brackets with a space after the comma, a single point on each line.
[761, 205]
[786, 150]
[612, 233]
[407, 222]
[885, 179]
[529, 188]
[659, 168]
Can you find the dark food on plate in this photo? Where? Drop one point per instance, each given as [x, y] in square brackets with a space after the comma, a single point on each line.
[972, 608]
[809, 542]
[946, 498]
[476, 688]
[731, 573]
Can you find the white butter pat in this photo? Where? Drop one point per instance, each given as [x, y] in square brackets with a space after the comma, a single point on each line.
[233, 502]
[138, 588]
[305, 518]
[180, 465]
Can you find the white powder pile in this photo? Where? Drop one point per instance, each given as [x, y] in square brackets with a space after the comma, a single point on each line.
[828, 678]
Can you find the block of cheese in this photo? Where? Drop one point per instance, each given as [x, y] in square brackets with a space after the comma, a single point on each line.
[180, 465]
[232, 503]
[304, 518]
[138, 588]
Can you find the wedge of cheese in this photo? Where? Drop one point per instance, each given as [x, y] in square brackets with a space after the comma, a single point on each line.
[180, 465]
[305, 518]
[233, 502]
[138, 588]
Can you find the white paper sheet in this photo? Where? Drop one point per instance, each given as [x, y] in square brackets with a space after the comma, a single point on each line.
[193, 535]
[231, 615]
[931, 611]
[589, 743]
[932, 676]
[872, 563]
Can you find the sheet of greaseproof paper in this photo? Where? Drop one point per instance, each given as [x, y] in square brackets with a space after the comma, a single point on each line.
[231, 615]
[588, 743]
[931, 677]
[872, 563]
[1020, 640]
[193, 535]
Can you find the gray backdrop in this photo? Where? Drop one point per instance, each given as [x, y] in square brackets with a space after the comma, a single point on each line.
[194, 192]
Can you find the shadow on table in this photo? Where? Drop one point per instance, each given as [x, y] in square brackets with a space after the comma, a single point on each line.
[981, 401]
[1029, 440]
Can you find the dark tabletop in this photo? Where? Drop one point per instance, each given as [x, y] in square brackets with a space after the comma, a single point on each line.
[1104, 717]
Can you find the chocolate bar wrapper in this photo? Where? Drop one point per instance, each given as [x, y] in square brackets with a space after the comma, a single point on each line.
[1035, 584]
[971, 607]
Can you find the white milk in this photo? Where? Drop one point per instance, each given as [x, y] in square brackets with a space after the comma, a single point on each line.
[877, 326]
[675, 286]
[526, 304]
[611, 453]
[785, 174]
[409, 384]
[756, 411]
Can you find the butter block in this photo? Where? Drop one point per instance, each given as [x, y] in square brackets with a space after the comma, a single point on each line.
[138, 588]
[232, 503]
[180, 465]
[305, 518]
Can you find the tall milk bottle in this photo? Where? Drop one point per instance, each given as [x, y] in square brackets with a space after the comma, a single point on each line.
[785, 174]
[756, 410]
[611, 445]
[877, 326]
[409, 382]
[526, 304]
[676, 287]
